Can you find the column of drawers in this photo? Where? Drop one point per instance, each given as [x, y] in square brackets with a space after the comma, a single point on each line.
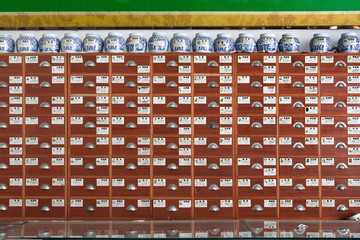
[131, 141]
[11, 144]
[340, 129]
[298, 107]
[89, 143]
[256, 124]
[172, 92]
[213, 136]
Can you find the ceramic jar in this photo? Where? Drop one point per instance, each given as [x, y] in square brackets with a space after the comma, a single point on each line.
[289, 43]
[267, 43]
[349, 43]
[320, 43]
[71, 43]
[202, 43]
[26, 43]
[7, 44]
[158, 43]
[49, 43]
[180, 43]
[114, 43]
[92, 43]
[245, 43]
[223, 43]
[136, 43]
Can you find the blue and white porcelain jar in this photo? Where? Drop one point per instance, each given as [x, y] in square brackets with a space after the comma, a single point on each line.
[349, 43]
[93, 43]
[267, 43]
[7, 44]
[289, 43]
[158, 43]
[71, 43]
[136, 43]
[245, 43]
[26, 43]
[114, 43]
[180, 43]
[49, 43]
[202, 43]
[223, 43]
[320, 43]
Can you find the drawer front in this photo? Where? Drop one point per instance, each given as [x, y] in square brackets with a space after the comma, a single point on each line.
[12, 207]
[85, 146]
[47, 187]
[168, 187]
[45, 208]
[256, 125]
[88, 63]
[294, 105]
[11, 146]
[338, 125]
[298, 146]
[213, 167]
[172, 166]
[299, 166]
[171, 126]
[339, 166]
[256, 187]
[89, 166]
[295, 126]
[338, 146]
[213, 63]
[130, 166]
[89, 187]
[256, 208]
[212, 187]
[40, 85]
[131, 146]
[339, 105]
[11, 106]
[298, 63]
[45, 146]
[213, 146]
[339, 63]
[293, 187]
[339, 84]
[345, 187]
[44, 166]
[10, 84]
[131, 63]
[46, 63]
[213, 125]
[11, 187]
[256, 64]
[11, 166]
[172, 209]
[299, 208]
[12, 64]
[130, 187]
[213, 85]
[256, 84]
[131, 126]
[89, 208]
[89, 105]
[289, 85]
[171, 105]
[45, 125]
[45, 106]
[256, 105]
[11, 125]
[89, 125]
[214, 209]
[256, 166]
[173, 147]
[131, 209]
[171, 63]
[130, 84]
[204, 105]
[130, 105]
[257, 146]
[171, 84]
[89, 84]
[339, 208]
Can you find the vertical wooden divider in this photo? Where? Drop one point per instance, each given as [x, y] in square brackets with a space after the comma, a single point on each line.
[192, 139]
[67, 131]
[66, 142]
[110, 135]
[151, 197]
[23, 136]
[234, 130]
[277, 136]
[319, 133]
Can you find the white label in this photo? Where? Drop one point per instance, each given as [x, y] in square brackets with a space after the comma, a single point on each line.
[285, 100]
[117, 79]
[327, 59]
[284, 79]
[200, 182]
[225, 69]
[328, 182]
[15, 59]
[76, 79]
[244, 203]
[269, 59]
[115, 182]
[312, 203]
[243, 141]
[327, 79]
[118, 59]
[269, 110]
[354, 182]
[159, 59]
[15, 202]
[327, 141]
[76, 59]
[32, 80]
[57, 69]
[32, 182]
[243, 79]
[102, 182]
[32, 202]
[226, 203]
[184, 161]
[286, 203]
[184, 203]
[15, 90]
[243, 59]
[144, 182]
[185, 59]
[328, 203]
[311, 69]
[76, 203]
[76, 161]
[311, 59]
[185, 182]
[102, 59]
[269, 69]
[243, 161]
[200, 59]
[271, 204]
[312, 182]
[143, 69]
[284, 59]
[159, 203]
[184, 69]
[311, 90]
[78, 182]
[270, 182]
[159, 182]
[118, 203]
[31, 59]
[285, 182]
[200, 203]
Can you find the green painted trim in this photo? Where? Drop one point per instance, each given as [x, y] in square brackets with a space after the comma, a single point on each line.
[177, 5]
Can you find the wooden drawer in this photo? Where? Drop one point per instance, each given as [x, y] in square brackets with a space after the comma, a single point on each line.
[256, 125]
[44, 166]
[345, 187]
[298, 63]
[256, 208]
[169, 187]
[8, 127]
[213, 187]
[45, 63]
[10, 83]
[11, 208]
[340, 105]
[295, 187]
[256, 166]
[45, 208]
[131, 125]
[88, 63]
[340, 166]
[171, 63]
[45, 146]
[336, 125]
[130, 166]
[171, 84]
[89, 209]
[11, 146]
[290, 85]
[11, 64]
[89, 105]
[45, 106]
[212, 126]
[256, 105]
[172, 209]
[295, 105]
[213, 146]
[299, 208]
[85, 146]
[45, 187]
[11, 166]
[299, 167]
[89, 166]
[45, 125]
[40, 85]
[131, 146]
[256, 63]
[339, 208]
[131, 63]
[339, 84]
[133, 105]
[298, 146]
[132, 229]
[172, 166]
[211, 105]
[130, 209]
[11, 187]
[171, 105]
[89, 84]
[339, 63]
[171, 147]
[214, 209]
[89, 187]
[171, 126]
[256, 187]
[213, 85]
[255, 84]
[213, 167]
[91, 125]
[257, 146]
[130, 84]
[11, 105]
[338, 146]
[213, 63]
[295, 126]
[131, 187]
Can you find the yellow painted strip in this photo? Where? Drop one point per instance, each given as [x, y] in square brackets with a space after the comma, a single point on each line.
[96, 19]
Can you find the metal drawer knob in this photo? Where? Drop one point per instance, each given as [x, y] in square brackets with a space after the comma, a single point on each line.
[172, 187]
[257, 187]
[44, 125]
[90, 105]
[298, 105]
[341, 187]
[342, 208]
[172, 105]
[299, 208]
[298, 145]
[343, 231]
[89, 64]
[130, 84]
[90, 208]
[341, 166]
[130, 105]
[341, 145]
[3, 186]
[45, 208]
[298, 64]
[45, 186]
[45, 85]
[299, 187]
[89, 125]
[256, 145]
[340, 64]
[256, 125]
[45, 145]
[131, 208]
[131, 187]
[213, 64]
[44, 64]
[340, 104]
[173, 232]
[3, 105]
[256, 105]
[299, 166]
[3, 166]
[256, 64]
[90, 146]
[340, 125]
[90, 234]
[3, 85]
[213, 166]
[257, 208]
[3, 125]
[213, 84]
[3, 145]
[340, 84]
[172, 208]
[172, 146]
[172, 64]
[256, 84]
[45, 105]
[131, 145]
[90, 187]
[3, 64]
[298, 125]
[172, 125]
[214, 208]
[212, 146]
[172, 84]
[89, 84]
[131, 233]
[130, 125]
[131, 166]
[213, 125]
[172, 166]
[214, 231]
[256, 166]
[3, 207]
[44, 166]
[89, 166]
[298, 84]
[213, 105]
[131, 64]
[214, 187]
